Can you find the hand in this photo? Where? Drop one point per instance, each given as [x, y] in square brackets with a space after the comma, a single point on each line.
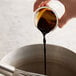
[40, 3]
[70, 9]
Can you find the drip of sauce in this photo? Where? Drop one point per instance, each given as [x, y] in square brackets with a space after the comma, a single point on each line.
[46, 22]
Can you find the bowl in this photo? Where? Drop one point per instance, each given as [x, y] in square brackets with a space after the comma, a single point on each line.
[60, 61]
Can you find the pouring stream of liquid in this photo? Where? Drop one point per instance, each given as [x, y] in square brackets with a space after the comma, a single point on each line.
[46, 22]
[44, 43]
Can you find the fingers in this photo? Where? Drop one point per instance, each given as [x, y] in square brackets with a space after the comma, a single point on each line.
[41, 3]
[36, 5]
[63, 20]
[44, 3]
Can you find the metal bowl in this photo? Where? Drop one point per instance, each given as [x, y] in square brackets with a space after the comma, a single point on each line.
[60, 61]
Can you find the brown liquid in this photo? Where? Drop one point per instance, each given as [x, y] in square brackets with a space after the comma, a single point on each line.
[46, 21]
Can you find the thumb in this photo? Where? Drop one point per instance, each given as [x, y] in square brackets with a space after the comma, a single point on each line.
[36, 5]
[63, 20]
